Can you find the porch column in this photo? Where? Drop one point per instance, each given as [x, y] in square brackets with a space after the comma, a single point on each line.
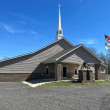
[58, 71]
[97, 71]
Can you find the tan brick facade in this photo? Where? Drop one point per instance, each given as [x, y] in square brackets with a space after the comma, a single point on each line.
[59, 71]
[70, 69]
[98, 74]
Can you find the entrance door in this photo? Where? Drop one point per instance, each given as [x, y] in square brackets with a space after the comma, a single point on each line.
[64, 71]
[88, 75]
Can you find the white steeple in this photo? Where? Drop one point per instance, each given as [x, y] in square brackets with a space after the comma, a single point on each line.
[59, 19]
[59, 30]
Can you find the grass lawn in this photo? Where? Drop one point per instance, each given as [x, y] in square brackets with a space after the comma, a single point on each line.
[71, 83]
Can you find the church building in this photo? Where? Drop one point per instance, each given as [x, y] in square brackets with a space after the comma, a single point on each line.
[58, 60]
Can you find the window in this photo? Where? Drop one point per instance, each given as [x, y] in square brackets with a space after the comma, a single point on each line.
[75, 71]
[46, 71]
[60, 32]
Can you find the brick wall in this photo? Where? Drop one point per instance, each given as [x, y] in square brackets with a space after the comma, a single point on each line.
[17, 77]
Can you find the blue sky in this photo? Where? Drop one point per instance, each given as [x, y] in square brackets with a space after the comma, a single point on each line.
[27, 25]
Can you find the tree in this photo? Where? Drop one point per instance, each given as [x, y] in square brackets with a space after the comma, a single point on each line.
[108, 56]
[102, 57]
[108, 60]
[93, 50]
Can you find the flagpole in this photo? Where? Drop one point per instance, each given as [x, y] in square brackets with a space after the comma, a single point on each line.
[106, 59]
[106, 63]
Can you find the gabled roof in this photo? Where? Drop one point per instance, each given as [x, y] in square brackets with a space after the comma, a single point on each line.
[38, 50]
[54, 57]
[77, 48]
[57, 56]
[63, 53]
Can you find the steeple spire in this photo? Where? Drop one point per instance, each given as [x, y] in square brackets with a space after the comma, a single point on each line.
[59, 30]
[59, 20]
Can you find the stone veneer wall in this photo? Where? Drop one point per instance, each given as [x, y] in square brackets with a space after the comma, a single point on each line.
[14, 77]
[17, 77]
[98, 74]
[59, 71]
[51, 67]
[70, 69]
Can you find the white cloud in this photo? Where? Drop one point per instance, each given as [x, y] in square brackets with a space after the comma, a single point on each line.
[32, 32]
[88, 41]
[12, 30]
[25, 18]
[8, 28]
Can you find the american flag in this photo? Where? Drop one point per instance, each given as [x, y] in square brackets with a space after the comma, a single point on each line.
[107, 38]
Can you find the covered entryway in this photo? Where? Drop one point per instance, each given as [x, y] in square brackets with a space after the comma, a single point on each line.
[68, 62]
[66, 70]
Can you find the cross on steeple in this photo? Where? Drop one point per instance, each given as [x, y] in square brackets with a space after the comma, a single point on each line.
[59, 5]
[59, 30]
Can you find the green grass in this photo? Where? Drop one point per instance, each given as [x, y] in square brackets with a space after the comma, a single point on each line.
[102, 82]
[71, 83]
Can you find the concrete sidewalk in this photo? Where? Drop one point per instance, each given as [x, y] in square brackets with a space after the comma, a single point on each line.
[39, 82]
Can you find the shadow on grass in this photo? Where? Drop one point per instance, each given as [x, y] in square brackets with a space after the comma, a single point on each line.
[40, 81]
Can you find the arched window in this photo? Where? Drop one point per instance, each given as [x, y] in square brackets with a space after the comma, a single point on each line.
[47, 71]
[75, 71]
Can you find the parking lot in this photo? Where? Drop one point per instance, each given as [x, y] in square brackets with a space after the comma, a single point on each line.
[18, 96]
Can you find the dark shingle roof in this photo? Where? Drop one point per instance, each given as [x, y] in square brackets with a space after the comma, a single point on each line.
[65, 52]
[54, 57]
[36, 50]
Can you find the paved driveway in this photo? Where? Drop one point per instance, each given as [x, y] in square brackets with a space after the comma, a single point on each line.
[17, 96]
